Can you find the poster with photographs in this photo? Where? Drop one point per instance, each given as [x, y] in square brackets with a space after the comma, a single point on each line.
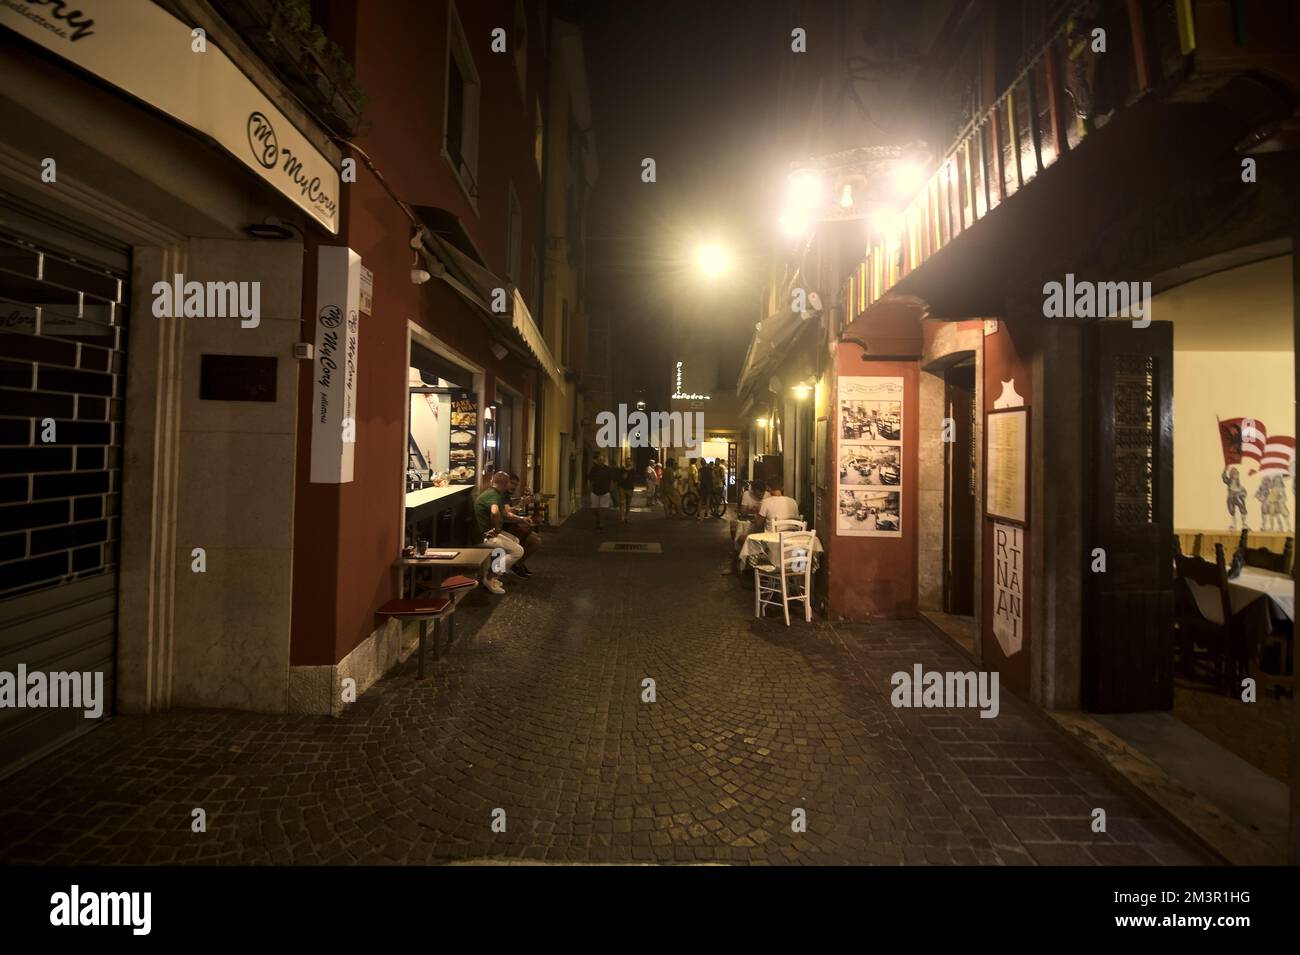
[464, 440]
[869, 457]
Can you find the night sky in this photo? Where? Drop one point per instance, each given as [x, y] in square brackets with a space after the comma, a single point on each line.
[689, 84]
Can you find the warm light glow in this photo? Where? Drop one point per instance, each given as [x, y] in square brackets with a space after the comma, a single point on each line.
[795, 224]
[846, 196]
[802, 391]
[886, 224]
[807, 191]
[761, 422]
[712, 259]
[908, 177]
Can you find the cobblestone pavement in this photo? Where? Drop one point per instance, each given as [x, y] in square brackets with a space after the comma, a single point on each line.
[537, 710]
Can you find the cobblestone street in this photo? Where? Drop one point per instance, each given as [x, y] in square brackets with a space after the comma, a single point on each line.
[537, 710]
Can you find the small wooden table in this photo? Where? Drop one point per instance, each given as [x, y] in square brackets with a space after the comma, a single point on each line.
[472, 559]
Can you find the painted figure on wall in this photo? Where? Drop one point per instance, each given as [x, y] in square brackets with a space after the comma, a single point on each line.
[1236, 497]
[1272, 503]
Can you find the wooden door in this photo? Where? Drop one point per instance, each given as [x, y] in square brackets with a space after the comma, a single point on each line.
[1128, 608]
[959, 492]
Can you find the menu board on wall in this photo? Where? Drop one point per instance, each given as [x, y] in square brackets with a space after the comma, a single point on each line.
[1004, 481]
[463, 457]
[869, 441]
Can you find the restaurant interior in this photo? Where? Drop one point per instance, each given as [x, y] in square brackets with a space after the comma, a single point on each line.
[1234, 457]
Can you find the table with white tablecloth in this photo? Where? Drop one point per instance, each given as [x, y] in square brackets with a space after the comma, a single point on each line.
[759, 547]
[1278, 587]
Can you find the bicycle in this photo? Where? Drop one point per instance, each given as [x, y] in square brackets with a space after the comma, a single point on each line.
[691, 504]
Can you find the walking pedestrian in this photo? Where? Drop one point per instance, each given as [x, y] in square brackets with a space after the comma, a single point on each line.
[705, 479]
[672, 490]
[600, 478]
[626, 485]
[651, 484]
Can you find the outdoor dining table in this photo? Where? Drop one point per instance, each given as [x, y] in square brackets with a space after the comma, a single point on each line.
[474, 560]
[759, 546]
[467, 558]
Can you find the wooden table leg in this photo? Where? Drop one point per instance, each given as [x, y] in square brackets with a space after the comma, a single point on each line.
[437, 625]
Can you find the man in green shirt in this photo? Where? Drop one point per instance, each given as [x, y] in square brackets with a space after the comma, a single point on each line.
[489, 513]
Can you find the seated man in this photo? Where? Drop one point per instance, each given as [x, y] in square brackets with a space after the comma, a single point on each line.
[749, 504]
[751, 499]
[490, 513]
[520, 526]
[775, 507]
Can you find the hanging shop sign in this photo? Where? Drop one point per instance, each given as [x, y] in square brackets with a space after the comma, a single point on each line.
[143, 50]
[334, 373]
[679, 395]
[870, 446]
[1008, 586]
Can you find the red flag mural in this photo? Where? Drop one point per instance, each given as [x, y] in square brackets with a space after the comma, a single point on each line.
[1279, 453]
[1246, 439]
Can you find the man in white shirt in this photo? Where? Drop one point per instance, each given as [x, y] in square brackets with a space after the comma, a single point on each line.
[776, 507]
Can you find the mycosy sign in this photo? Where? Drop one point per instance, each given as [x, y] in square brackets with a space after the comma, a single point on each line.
[334, 376]
[142, 49]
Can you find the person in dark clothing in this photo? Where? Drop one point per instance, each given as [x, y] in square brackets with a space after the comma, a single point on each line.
[706, 490]
[600, 477]
[626, 485]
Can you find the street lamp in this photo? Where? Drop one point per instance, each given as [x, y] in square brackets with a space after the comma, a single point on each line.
[712, 260]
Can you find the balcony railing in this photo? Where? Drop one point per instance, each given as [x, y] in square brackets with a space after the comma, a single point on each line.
[1047, 110]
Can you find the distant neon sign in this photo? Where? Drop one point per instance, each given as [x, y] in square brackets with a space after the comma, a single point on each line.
[680, 395]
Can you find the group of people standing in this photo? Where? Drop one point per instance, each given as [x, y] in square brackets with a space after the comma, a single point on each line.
[674, 482]
[666, 484]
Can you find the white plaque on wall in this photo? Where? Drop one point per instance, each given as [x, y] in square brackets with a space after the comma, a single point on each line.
[334, 372]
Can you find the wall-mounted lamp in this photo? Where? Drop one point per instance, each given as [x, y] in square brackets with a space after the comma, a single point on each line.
[273, 228]
[761, 422]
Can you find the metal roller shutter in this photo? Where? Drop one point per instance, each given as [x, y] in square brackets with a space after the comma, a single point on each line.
[62, 365]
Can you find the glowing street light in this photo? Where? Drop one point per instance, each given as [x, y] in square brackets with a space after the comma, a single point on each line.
[712, 260]
[908, 177]
[795, 224]
[887, 224]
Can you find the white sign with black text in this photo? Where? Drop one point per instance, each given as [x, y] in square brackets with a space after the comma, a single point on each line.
[334, 374]
[140, 48]
[1008, 587]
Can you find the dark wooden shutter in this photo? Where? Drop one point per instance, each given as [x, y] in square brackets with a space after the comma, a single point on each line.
[1128, 610]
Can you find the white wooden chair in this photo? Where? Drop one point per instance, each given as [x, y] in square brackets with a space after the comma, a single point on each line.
[789, 579]
[785, 525]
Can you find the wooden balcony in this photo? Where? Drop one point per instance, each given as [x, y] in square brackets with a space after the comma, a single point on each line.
[1172, 50]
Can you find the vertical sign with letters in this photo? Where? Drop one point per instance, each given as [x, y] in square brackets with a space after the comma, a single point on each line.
[334, 374]
[1008, 587]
